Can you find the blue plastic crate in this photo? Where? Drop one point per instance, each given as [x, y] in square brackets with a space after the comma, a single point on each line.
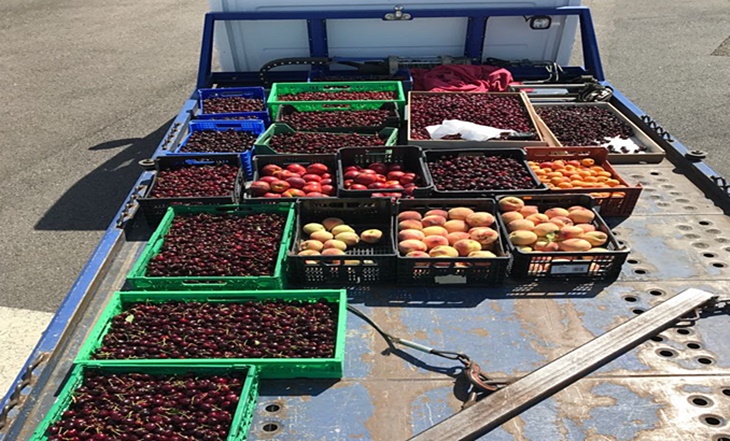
[247, 125]
[246, 92]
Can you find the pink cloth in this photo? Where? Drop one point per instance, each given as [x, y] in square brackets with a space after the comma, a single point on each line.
[462, 78]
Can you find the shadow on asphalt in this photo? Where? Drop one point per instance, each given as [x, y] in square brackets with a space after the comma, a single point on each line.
[94, 200]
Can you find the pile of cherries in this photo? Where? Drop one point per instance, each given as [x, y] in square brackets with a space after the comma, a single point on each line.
[502, 112]
[336, 118]
[320, 142]
[136, 407]
[584, 125]
[484, 172]
[339, 95]
[219, 245]
[195, 181]
[210, 141]
[260, 329]
[232, 104]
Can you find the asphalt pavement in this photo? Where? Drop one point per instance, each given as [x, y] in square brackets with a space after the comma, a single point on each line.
[89, 88]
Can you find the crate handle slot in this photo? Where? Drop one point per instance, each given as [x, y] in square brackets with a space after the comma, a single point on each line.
[204, 282]
[336, 106]
[342, 87]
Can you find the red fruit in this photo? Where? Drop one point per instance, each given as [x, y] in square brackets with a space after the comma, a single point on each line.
[296, 168]
[381, 178]
[286, 174]
[366, 178]
[352, 174]
[376, 185]
[393, 184]
[270, 169]
[409, 190]
[326, 176]
[358, 187]
[407, 178]
[280, 186]
[315, 194]
[272, 195]
[394, 167]
[327, 181]
[312, 187]
[259, 188]
[348, 183]
[352, 168]
[294, 193]
[269, 179]
[378, 195]
[368, 170]
[317, 168]
[311, 177]
[296, 182]
[379, 168]
[395, 175]
[328, 190]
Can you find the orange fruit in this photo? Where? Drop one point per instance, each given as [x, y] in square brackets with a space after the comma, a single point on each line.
[587, 162]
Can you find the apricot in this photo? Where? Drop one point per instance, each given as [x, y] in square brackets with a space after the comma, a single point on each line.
[411, 234]
[460, 213]
[454, 226]
[442, 213]
[511, 216]
[432, 242]
[410, 224]
[595, 238]
[522, 224]
[466, 246]
[443, 251]
[406, 246]
[480, 219]
[575, 245]
[457, 236]
[522, 237]
[511, 203]
[405, 215]
[433, 220]
[435, 231]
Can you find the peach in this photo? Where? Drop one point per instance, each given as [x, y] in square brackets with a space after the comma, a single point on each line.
[311, 245]
[460, 213]
[442, 213]
[435, 231]
[481, 254]
[350, 239]
[483, 235]
[342, 229]
[522, 237]
[528, 210]
[334, 243]
[543, 230]
[371, 236]
[457, 236]
[522, 224]
[435, 241]
[410, 224]
[406, 215]
[595, 238]
[480, 219]
[537, 218]
[443, 251]
[561, 221]
[411, 234]
[431, 221]
[466, 246]
[311, 228]
[332, 222]
[309, 252]
[581, 216]
[511, 203]
[455, 226]
[417, 254]
[511, 216]
[332, 252]
[556, 211]
[575, 245]
[406, 246]
[321, 235]
[570, 232]
[587, 228]
[546, 245]
[576, 207]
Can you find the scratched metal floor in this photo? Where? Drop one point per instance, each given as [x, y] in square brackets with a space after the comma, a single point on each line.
[674, 387]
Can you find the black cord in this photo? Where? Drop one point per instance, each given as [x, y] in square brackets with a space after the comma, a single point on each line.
[388, 338]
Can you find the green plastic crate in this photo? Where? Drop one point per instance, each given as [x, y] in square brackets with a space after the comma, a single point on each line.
[261, 146]
[268, 367]
[242, 417]
[279, 89]
[139, 280]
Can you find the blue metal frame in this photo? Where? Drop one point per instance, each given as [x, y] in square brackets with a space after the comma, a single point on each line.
[477, 23]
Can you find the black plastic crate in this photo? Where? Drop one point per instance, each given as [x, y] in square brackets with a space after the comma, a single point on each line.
[408, 156]
[363, 265]
[453, 270]
[330, 160]
[517, 154]
[573, 265]
[392, 121]
[154, 209]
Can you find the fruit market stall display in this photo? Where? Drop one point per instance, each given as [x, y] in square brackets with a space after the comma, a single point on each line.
[559, 236]
[598, 124]
[509, 111]
[286, 334]
[288, 177]
[192, 179]
[280, 138]
[343, 242]
[382, 172]
[449, 241]
[216, 247]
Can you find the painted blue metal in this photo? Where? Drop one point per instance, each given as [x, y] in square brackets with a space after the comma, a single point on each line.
[475, 29]
[317, 30]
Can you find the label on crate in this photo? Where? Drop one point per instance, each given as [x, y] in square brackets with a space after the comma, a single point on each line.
[570, 268]
[450, 279]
